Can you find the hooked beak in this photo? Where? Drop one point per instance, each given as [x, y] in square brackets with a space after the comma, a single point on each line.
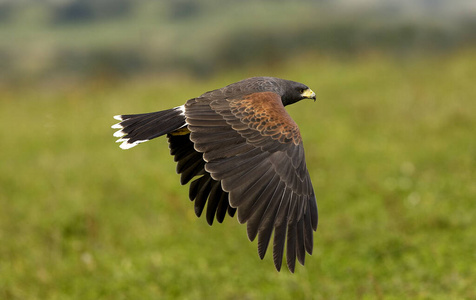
[309, 94]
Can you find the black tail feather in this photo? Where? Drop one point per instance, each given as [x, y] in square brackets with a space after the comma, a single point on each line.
[135, 129]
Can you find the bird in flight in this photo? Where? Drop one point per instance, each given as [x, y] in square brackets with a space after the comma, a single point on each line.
[243, 153]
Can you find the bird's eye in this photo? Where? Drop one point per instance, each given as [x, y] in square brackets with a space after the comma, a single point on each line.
[301, 91]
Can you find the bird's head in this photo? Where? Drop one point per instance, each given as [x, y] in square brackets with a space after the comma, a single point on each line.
[294, 91]
[289, 91]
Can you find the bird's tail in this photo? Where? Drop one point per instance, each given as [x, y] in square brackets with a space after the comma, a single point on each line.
[136, 129]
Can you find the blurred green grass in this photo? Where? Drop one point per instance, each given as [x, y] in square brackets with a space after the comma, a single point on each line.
[391, 151]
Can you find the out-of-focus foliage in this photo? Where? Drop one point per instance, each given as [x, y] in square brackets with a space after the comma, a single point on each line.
[121, 37]
[89, 10]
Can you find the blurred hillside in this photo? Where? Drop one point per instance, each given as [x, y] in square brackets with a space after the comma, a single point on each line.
[121, 37]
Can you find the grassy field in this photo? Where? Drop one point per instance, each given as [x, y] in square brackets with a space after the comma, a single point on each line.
[390, 148]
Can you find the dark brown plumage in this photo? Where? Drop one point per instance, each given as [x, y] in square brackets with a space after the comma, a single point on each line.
[242, 153]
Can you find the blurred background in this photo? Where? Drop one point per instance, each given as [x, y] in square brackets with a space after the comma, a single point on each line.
[390, 147]
[125, 37]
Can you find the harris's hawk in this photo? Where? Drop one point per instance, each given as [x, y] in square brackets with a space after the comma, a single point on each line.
[244, 153]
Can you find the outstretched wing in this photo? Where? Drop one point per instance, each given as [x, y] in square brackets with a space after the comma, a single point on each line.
[254, 149]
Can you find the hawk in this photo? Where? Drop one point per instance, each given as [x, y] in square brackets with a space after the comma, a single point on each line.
[242, 153]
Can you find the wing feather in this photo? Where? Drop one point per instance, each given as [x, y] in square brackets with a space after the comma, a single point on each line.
[267, 221]
[255, 219]
[203, 194]
[300, 249]
[222, 208]
[291, 246]
[213, 201]
[239, 183]
[280, 229]
[254, 194]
